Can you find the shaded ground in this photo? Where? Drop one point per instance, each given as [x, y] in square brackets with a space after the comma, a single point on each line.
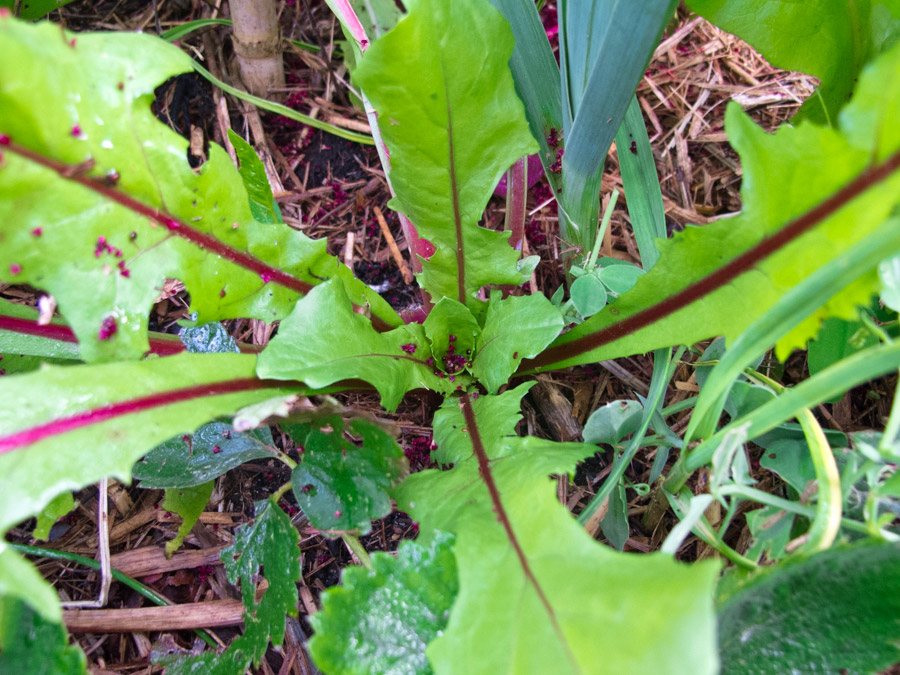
[328, 187]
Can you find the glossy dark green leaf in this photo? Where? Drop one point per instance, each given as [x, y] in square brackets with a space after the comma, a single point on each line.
[32, 645]
[834, 612]
[269, 544]
[381, 620]
[263, 206]
[193, 459]
[33, 10]
[342, 486]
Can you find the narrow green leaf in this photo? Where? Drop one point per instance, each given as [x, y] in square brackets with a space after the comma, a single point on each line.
[189, 27]
[31, 644]
[381, 620]
[342, 486]
[536, 76]
[889, 275]
[852, 371]
[187, 502]
[615, 523]
[263, 206]
[453, 124]
[324, 341]
[788, 176]
[604, 48]
[830, 39]
[269, 542]
[641, 183]
[500, 621]
[76, 111]
[515, 328]
[64, 428]
[193, 459]
[783, 316]
[851, 627]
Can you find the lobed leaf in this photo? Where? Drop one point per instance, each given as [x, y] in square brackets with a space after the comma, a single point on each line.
[340, 486]
[66, 427]
[515, 328]
[324, 340]
[810, 193]
[269, 542]
[96, 193]
[524, 608]
[831, 39]
[380, 620]
[451, 119]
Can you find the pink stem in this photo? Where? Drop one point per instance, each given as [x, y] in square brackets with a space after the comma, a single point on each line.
[516, 195]
[25, 437]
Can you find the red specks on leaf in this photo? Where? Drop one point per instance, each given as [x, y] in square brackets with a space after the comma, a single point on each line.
[171, 224]
[337, 514]
[107, 329]
[553, 137]
[37, 232]
[185, 438]
[425, 248]
[4, 12]
[266, 277]
[4, 139]
[124, 271]
[121, 86]
[556, 167]
[451, 338]
[216, 449]
[515, 355]
[15, 268]
[132, 235]
[429, 361]
[633, 148]
[409, 348]
[222, 293]
[2, 371]
[76, 131]
[72, 43]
